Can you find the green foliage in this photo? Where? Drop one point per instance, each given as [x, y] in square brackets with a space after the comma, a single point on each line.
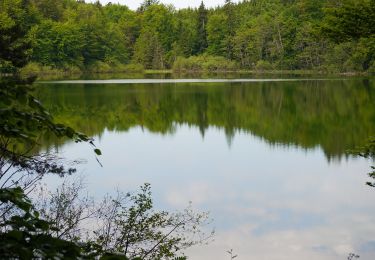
[351, 24]
[50, 9]
[133, 67]
[350, 20]
[146, 4]
[34, 69]
[203, 63]
[23, 117]
[323, 35]
[187, 35]
[132, 228]
[57, 45]
[156, 38]
[149, 52]
[351, 56]
[201, 40]
[16, 18]
[127, 226]
[371, 69]
[25, 234]
[216, 34]
[367, 151]
[263, 65]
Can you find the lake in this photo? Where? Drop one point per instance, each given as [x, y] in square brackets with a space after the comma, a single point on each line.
[266, 157]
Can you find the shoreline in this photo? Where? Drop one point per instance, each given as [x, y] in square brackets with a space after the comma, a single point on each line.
[80, 74]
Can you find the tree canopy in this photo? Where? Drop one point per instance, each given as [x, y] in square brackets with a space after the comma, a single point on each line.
[325, 35]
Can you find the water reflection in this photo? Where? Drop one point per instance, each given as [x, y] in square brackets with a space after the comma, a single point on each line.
[334, 115]
[267, 202]
[253, 153]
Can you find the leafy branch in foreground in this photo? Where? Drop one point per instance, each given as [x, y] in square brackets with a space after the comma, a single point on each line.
[129, 225]
[23, 120]
[367, 151]
[123, 226]
[23, 235]
[23, 117]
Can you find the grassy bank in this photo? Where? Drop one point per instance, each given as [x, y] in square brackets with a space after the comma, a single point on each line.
[37, 69]
[184, 67]
[204, 63]
[218, 64]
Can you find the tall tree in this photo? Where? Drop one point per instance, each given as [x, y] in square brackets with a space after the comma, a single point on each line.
[201, 44]
[231, 28]
[50, 9]
[146, 4]
[217, 34]
[16, 19]
[186, 34]
[353, 19]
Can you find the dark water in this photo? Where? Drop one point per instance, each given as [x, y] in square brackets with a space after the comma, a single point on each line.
[267, 158]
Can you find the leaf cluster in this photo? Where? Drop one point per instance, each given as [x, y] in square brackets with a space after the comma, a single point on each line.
[23, 119]
[367, 151]
[130, 226]
[25, 235]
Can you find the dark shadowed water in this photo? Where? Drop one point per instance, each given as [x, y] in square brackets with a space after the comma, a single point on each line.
[267, 158]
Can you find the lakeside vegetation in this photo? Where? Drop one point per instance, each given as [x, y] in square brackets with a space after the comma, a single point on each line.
[72, 36]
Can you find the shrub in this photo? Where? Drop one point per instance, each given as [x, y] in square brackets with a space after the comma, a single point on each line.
[263, 65]
[351, 56]
[34, 69]
[108, 67]
[203, 63]
[371, 69]
[99, 67]
[133, 67]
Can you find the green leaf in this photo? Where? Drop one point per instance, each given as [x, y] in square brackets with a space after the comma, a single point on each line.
[15, 234]
[98, 152]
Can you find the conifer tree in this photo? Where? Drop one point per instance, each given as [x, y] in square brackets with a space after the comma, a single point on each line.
[201, 43]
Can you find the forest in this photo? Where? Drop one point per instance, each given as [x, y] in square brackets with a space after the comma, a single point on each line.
[329, 36]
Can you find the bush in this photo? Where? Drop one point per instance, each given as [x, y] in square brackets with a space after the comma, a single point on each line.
[31, 69]
[371, 69]
[133, 67]
[108, 67]
[151, 234]
[6, 67]
[351, 56]
[337, 57]
[263, 65]
[203, 63]
[34, 69]
[99, 67]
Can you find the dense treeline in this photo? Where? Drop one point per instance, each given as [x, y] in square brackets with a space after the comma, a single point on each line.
[324, 35]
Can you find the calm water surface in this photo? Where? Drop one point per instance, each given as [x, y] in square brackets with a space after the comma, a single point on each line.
[266, 158]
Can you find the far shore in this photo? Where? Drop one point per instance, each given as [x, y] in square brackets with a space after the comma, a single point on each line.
[58, 74]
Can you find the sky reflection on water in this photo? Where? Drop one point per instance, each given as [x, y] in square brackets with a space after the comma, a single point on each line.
[267, 202]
